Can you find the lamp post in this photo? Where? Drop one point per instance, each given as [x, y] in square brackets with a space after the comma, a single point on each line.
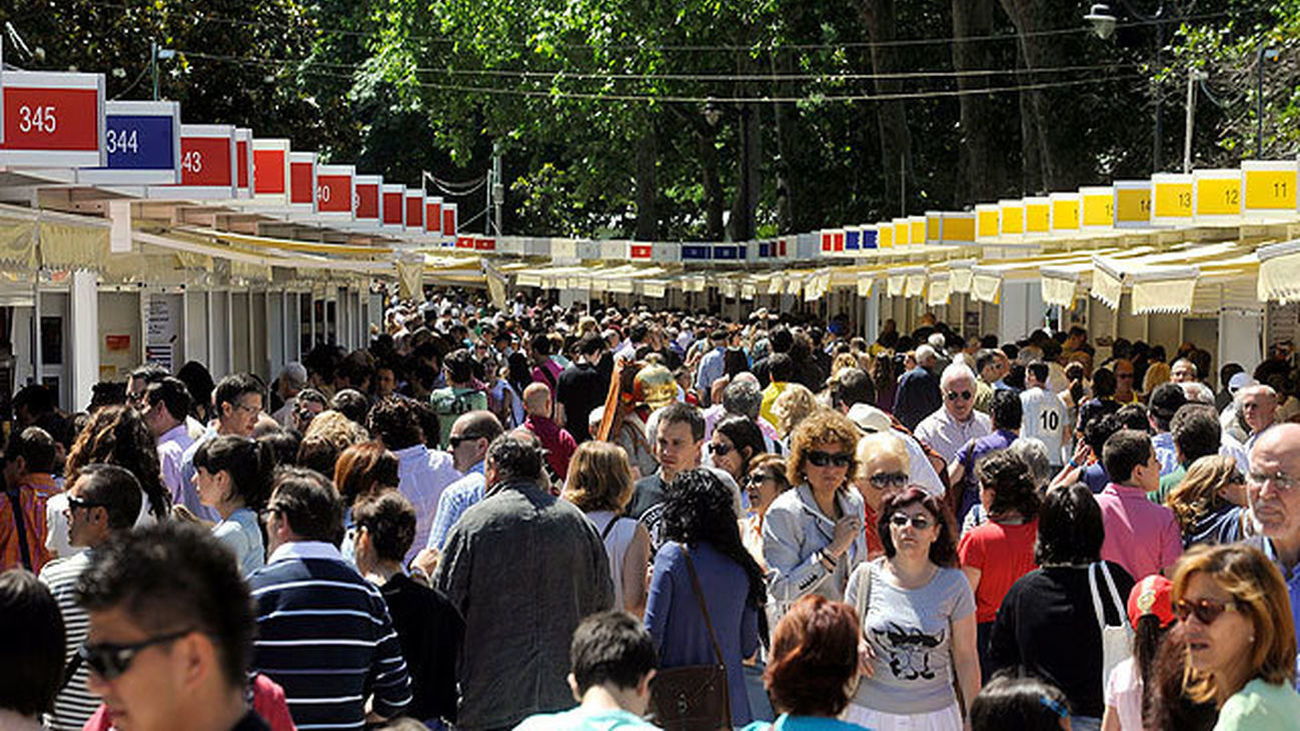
[1103, 23]
[1270, 54]
[155, 55]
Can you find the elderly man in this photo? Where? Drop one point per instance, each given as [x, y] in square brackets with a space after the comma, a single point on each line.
[1259, 409]
[1273, 492]
[956, 422]
[1183, 371]
[918, 393]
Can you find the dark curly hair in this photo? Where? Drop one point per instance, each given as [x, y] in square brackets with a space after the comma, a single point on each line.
[395, 421]
[699, 507]
[943, 552]
[1007, 475]
[117, 435]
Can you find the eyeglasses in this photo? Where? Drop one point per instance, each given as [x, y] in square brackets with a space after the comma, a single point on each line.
[963, 395]
[75, 502]
[718, 449]
[245, 407]
[1206, 610]
[1282, 482]
[266, 513]
[919, 521]
[883, 480]
[110, 661]
[757, 478]
[818, 458]
[457, 441]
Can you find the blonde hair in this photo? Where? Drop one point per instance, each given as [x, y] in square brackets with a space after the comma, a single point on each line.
[842, 361]
[825, 426]
[337, 429]
[1257, 588]
[1157, 373]
[599, 478]
[794, 404]
[1198, 493]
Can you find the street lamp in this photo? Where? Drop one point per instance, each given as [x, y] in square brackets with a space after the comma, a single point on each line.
[1270, 54]
[1103, 23]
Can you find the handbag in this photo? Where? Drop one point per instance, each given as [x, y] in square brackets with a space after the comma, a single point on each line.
[692, 697]
[1116, 641]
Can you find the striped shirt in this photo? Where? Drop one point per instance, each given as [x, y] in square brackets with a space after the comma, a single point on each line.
[33, 494]
[324, 634]
[75, 703]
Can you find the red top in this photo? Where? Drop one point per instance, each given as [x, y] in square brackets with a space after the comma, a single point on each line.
[1002, 553]
[557, 442]
[268, 702]
[35, 491]
[875, 549]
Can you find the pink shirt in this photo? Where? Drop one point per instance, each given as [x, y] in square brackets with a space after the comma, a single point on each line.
[1141, 536]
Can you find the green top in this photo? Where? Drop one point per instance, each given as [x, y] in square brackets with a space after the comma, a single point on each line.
[1261, 706]
[1167, 485]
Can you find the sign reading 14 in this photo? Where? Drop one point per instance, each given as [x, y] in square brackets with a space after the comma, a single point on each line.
[37, 119]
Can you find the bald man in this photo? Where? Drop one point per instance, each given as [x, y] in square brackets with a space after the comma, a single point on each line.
[1273, 493]
[557, 441]
[1258, 410]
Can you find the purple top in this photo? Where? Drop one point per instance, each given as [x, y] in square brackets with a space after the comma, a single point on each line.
[969, 456]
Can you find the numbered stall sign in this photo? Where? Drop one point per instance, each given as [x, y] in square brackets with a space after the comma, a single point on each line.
[1098, 208]
[958, 228]
[902, 232]
[302, 182]
[449, 219]
[244, 163]
[987, 221]
[1038, 216]
[933, 226]
[1012, 215]
[207, 163]
[917, 224]
[1133, 204]
[393, 198]
[143, 143]
[271, 171]
[366, 214]
[1171, 196]
[335, 191]
[52, 120]
[1216, 194]
[1270, 187]
[1065, 212]
[414, 210]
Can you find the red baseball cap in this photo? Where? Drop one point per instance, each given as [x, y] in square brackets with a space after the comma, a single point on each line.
[1151, 595]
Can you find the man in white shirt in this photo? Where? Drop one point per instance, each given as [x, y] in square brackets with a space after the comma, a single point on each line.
[956, 422]
[1045, 417]
[164, 408]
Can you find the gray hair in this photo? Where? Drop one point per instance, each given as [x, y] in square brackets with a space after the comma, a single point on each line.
[1034, 454]
[925, 354]
[516, 457]
[1197, 392]
[956, 372]
[742, 397]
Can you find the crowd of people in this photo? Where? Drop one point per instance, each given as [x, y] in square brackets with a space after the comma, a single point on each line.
[576, 517]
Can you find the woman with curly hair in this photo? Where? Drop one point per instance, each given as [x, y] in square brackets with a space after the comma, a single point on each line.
[790, 408]
[1208, 502]
[918, 619]
[998, 552]
[812, 535]
[703, 562]
[600, 485]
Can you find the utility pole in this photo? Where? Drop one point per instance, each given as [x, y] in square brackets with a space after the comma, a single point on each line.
[1192, 76]
[1264, 53]
[498, 188]
[153, 63]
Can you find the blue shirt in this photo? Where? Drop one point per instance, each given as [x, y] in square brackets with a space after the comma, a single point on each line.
[189, 494]
[454, 501]
[1292, 578]
[786, 722]
[580, 719]
[712, 367]
[675, 622]
[1163, 443]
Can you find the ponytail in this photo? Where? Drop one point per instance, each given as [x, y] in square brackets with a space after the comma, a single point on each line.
[249, 463]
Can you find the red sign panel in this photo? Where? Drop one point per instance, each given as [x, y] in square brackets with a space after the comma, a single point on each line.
[49, 119]
[368, 201]
[464, 242]
[393, 208]
[268, 172]
[839, 241]
[641, 251]
[334, 193]
[781, 248]
[414, 213]
[300, 182]
[205, 161]
[433, 216]
[449, 220]
[826, 241]
[485, 244]
[241, 162]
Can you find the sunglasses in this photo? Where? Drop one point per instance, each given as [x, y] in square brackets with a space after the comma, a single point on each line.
[75, 502]
[111, 661]
[718, 449]
[963, 395]
[457, 441]
[1206, 610]
[883, 480]
[819, 458]
[918, 521]
[757, 478]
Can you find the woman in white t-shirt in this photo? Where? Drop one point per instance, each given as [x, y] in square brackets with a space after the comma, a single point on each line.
[233, 477]
[600, 485]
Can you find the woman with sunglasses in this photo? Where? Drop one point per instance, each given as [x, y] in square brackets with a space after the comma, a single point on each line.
[765, 482]
[1208, 502]
[918, 622]
[882, 468]
[995, 554]
[812, 535]
[736, 440]
[1241, 646]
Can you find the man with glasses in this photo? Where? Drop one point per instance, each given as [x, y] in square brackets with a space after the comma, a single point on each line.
[103, 501]
[1273, 493]
[237, 401]
[170, 624]
[1007, 415]
[957, 422]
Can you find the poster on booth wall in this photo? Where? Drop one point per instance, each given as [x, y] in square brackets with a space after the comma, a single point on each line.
[160, 330]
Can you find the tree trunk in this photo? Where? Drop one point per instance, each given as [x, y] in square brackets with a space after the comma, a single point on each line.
[748, 179]
[785, 117]
[891, 116]
[712, 188]
[647, 187]
[982, 169]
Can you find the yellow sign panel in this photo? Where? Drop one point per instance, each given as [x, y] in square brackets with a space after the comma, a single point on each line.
[932, 227]
[885, 236]
[1013, 219]
[1038, 218]
[1099, 210]
[1270, 190]
[1065, 215]
[918, 230]
[1173, 200]
[987, 223]
[1218, 197]
[1134, 205]
[959, 229]
[902, 233]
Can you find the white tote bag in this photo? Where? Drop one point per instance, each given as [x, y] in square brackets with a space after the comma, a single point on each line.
[1116, 640]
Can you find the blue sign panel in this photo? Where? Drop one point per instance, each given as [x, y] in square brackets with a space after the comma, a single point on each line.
[869, 238]
[136, 142]
[695, 253]
[764, 249]
[851, 239]
[725, 253]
